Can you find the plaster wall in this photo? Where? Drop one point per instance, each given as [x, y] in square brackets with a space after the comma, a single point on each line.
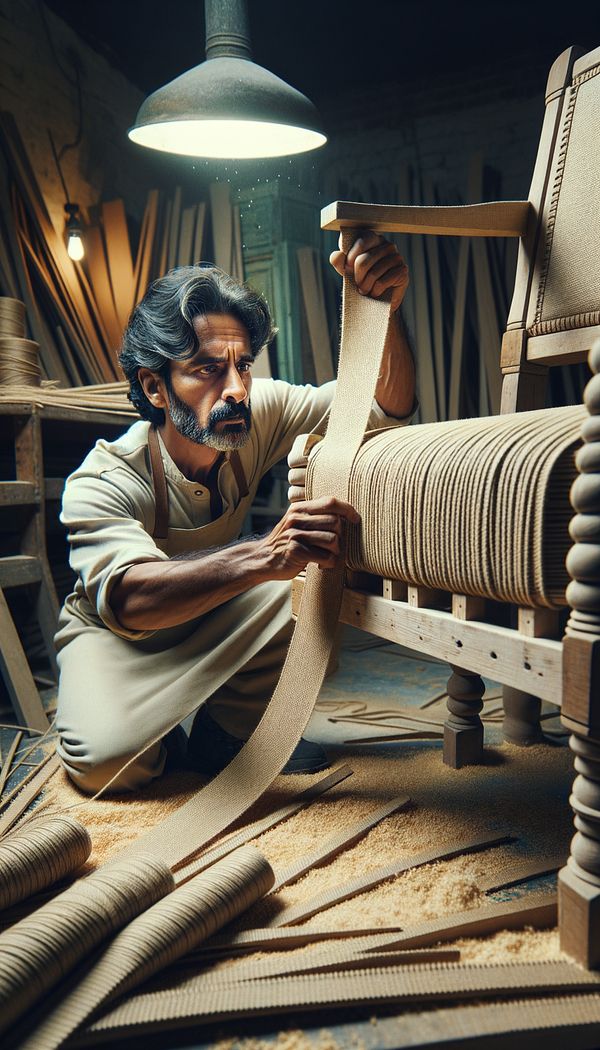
[33, 88]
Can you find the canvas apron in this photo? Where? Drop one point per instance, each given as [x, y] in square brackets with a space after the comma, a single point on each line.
[116, 696]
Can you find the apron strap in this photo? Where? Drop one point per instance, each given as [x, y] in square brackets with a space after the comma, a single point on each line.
[159, 481]
[161, 495]
[238, 472]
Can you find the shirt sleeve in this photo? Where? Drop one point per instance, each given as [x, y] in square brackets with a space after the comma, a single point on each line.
[294, 410]
[107, 535]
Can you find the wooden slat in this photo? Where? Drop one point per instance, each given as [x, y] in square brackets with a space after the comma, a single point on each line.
[175, 220]
[101, 285]
[199, 233]
[495, 219]
[118, 252]
[316, 318]
[19, 569]
[220, 208]
[17, 676]
[146, 246]
[533, 665]
[17, 494]
[186, 236]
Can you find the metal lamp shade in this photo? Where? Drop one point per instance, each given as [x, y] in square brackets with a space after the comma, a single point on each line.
[228, 108]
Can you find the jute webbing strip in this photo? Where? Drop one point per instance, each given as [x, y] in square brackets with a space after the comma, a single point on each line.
[335, 960]
[164, 933]
[26, 792]
[519, 871]
[284, 939]
[336, 843]
[259, 827]
[328, 898]
[39, 856]
[477, 506]
[539, 911]
[401, 985]
[41, 949]
[251, 772]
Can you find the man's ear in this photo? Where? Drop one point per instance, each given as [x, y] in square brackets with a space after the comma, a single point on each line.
[154, 387]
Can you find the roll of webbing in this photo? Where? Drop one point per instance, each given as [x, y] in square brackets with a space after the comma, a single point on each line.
[40, 855]
[168, 930]
[37, 952]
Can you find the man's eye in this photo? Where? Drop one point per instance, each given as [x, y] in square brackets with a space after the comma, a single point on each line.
[244, 366]
[208, 370]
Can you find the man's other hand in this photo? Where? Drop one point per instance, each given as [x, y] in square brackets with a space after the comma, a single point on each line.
[376, 265]
[310, 530]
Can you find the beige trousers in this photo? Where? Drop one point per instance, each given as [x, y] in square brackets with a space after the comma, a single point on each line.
[117, 698]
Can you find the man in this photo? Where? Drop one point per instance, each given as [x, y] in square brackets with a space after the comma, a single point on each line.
[170, 610]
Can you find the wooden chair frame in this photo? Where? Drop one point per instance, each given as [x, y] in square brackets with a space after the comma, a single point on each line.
[531, 661]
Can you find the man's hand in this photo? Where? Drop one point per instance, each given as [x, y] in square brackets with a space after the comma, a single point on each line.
[310, 530]
[376, 265]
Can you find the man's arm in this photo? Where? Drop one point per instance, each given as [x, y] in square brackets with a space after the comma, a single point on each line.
[153, 595]
[380, 271]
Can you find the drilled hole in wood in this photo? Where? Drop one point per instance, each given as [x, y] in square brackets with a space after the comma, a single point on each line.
[494, 656]
[458, 643]
[527, 666]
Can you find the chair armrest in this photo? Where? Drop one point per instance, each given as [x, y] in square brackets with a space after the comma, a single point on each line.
[497, 219]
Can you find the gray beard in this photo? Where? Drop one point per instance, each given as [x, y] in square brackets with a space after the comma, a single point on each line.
[186, 423]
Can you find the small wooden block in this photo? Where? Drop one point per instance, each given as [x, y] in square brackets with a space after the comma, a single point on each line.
[539, 623]
[468, 607]
[462, 747]
[426, 597]
[395, 590]
[579, 919]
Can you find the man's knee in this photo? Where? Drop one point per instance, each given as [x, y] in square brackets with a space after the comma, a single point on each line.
[99, 764]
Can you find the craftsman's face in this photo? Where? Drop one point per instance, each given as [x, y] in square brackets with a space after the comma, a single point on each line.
[209, 394]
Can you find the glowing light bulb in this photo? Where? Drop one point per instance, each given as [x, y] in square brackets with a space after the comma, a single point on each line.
[75, 247]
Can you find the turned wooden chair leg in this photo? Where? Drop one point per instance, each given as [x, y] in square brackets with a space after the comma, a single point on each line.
[522, 711]
[463, 731]
[579, 882]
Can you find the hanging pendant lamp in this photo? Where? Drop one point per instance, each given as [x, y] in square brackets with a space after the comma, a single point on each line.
[228, 107]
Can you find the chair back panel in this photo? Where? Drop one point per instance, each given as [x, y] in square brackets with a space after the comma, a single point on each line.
[565, 290]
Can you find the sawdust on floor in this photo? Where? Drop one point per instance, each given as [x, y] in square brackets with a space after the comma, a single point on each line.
[521, 791]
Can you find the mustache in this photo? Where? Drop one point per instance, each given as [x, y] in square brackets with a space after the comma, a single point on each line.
[227, 413]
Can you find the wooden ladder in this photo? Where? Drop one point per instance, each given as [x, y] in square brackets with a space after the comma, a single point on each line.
[28, 568]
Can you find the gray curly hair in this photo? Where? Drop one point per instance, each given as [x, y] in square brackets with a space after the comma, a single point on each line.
[160, 328]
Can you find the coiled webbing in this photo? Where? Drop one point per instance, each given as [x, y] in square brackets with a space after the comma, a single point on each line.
[41, 949]
[476, 506]
[39, 856]
[168, 930]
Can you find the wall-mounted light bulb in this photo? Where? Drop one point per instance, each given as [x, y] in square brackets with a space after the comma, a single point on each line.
[75, 245]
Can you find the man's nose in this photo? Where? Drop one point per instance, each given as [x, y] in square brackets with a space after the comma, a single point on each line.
[234, 389]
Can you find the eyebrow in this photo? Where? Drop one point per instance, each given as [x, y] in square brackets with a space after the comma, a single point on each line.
[213, 359]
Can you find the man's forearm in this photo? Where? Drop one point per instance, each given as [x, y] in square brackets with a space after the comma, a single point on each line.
[153, 595]
[395, 391]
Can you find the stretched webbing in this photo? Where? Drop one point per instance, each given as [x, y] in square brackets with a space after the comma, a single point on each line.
[364, 329]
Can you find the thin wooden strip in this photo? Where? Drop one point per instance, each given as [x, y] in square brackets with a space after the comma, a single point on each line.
[237, 254]
[220, 209]
[186, 236]
[146, 247]
[407, 734]
[150, 1012]
[101, 285]
[335, 844]
[118, 253]
[259, 827]
[492, 219]
[8, 761]
[25, 792]
[199, 233]
[327, 899]
[521, 870]
[174, 222]
[316, 318]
